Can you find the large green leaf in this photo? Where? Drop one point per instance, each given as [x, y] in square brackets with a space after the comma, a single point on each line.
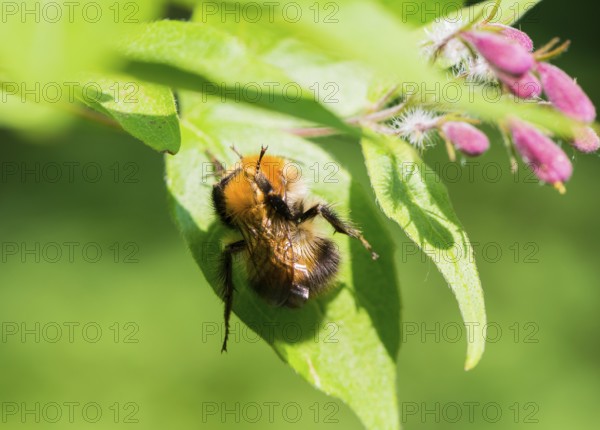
[412, 194]
[46, 45]
[348, 340]
[419, 13]
[343, 87]
[54, 41]
[508, 12]
[147, 111]
[203, 58]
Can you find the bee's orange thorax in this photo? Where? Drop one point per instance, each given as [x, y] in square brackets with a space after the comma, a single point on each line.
[242, 196]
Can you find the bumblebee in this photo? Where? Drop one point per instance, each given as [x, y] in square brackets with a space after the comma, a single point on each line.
[287, 261]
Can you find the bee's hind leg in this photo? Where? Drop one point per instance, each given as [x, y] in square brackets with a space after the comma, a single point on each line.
[227, 279]
[337, 223]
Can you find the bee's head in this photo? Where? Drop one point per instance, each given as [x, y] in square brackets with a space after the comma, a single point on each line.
[259, 175]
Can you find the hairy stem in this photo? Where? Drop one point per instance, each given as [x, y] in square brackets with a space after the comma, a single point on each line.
[370, 120]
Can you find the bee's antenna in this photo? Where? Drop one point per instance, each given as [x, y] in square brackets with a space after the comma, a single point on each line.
[219, 167]
[234, 149]
[263, 149]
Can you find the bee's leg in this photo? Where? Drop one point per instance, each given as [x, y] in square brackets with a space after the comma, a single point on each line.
[228, 287]
[337, 223]
[263, 149]
[274, 200]
[218, 167]
[238, 153]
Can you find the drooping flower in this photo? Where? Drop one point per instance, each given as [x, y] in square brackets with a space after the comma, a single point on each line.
[526, 86]
[565, 94]
[547, 160]
[514, 34]
[465, 137]
[586, 140]
[416, 125]
[503, 54]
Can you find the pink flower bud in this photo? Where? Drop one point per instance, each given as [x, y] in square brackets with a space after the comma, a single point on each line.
[525, 87]
[564, 93]
[547, 160]
[502, 53]
[515, 35]
[586, 140]
[466, 138]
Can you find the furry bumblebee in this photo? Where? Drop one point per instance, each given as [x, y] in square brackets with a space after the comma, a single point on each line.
[287, 261]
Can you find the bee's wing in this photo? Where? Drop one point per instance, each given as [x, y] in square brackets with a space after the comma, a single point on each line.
[271, 254]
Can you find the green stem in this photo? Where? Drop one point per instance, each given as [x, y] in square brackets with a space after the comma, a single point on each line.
[369, 119]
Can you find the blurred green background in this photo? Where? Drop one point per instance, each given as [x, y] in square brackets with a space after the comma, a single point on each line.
[156, 361]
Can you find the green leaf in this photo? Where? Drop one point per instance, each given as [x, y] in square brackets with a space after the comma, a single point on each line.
[411, 194]
[57, 40]
[35, 120]
[341, 86]
[344, 343]
[419, 13]
[203, 58]
[508, 12]
[146, 111]
[46, 46]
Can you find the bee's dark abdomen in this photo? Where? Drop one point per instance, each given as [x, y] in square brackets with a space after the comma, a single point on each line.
[326, 267]
[282, 285]
[274, 287]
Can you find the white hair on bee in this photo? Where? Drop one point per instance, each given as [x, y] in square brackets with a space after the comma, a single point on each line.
[296, 188]
[416, 125]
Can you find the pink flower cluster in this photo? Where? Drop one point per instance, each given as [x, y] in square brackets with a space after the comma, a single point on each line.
[503, 54]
